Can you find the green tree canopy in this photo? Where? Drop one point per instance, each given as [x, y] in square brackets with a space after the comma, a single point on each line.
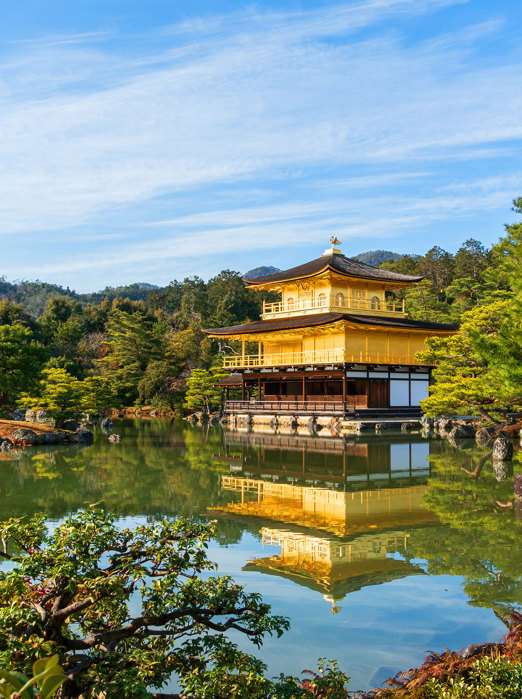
[69, 591]
[479, 369]
[21, 360]
[59, 392]
[202, 394]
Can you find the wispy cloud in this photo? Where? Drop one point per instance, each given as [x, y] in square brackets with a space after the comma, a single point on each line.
[276, 94]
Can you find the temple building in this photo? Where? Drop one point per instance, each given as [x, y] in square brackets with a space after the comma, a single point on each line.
[334, 343]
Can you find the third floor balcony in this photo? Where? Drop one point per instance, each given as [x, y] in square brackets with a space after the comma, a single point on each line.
[336, 304]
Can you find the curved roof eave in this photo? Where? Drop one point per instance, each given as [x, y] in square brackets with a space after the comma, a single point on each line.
[297, 322]
[338, 264]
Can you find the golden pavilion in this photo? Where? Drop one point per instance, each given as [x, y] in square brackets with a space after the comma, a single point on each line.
[334, 344]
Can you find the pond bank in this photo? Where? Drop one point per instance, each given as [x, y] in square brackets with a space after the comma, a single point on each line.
[22, 433]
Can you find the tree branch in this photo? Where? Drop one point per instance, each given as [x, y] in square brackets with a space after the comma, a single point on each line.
[59, 617]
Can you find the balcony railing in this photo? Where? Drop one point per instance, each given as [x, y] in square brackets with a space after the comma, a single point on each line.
[346, 304]
[333, 356]
[332, 405]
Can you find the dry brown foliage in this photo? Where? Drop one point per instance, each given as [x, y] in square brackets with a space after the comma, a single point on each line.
[442, 666]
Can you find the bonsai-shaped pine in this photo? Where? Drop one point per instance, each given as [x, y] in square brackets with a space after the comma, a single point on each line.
[60, 393]
[202, 393]
[123, 609]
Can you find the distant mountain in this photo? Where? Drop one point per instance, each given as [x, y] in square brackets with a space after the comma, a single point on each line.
[377, 257]
[260, 272]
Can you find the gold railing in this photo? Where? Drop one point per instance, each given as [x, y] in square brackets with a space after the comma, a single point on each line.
[333, 356]
[345, 305]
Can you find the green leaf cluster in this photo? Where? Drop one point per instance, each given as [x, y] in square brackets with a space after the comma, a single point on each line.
[21, 358]
[48, 676]
[65, 397]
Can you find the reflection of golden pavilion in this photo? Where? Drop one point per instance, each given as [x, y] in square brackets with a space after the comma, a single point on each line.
[335, 567]
[331, 541]
[340, 513]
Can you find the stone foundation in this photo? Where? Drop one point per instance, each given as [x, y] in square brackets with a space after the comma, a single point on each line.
[305, 424]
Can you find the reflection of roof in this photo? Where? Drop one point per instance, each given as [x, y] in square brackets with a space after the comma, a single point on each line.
[338, 263]
[260, 326]
[349, 577]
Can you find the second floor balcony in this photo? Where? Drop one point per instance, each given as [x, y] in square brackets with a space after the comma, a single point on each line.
[311, 357]
[339, 303]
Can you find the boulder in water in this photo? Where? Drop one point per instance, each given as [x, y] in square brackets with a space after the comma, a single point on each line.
[486, 436]
[502, 470]
[106, 425]
[444, 425]
[462, 430]
[502, 449]
[24, 435]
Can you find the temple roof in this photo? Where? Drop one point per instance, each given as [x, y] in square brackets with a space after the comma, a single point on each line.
[338, 263]
[232, 380]
[261, 326]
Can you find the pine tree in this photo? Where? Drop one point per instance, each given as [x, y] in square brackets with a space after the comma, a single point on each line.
[60, 393]
[202, 393]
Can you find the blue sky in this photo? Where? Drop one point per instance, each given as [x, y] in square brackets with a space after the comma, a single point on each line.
[148, 141]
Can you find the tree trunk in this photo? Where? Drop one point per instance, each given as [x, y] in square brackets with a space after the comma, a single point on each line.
[486, 416]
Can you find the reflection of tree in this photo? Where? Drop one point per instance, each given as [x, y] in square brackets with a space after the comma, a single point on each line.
[479, 539]
[155, 470]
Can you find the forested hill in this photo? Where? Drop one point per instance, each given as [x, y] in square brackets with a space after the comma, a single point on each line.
[260, 272]
[34, 296]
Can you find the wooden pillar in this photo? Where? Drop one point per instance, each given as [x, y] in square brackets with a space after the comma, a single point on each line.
[345, 388]
[259, 388]
[242, 388]
[304, 389]
[259, 352]
[242, 352]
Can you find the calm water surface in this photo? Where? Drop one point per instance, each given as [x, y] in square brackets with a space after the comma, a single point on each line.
[378, 548]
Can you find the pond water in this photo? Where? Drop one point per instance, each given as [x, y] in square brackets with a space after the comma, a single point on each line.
[379, 548]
